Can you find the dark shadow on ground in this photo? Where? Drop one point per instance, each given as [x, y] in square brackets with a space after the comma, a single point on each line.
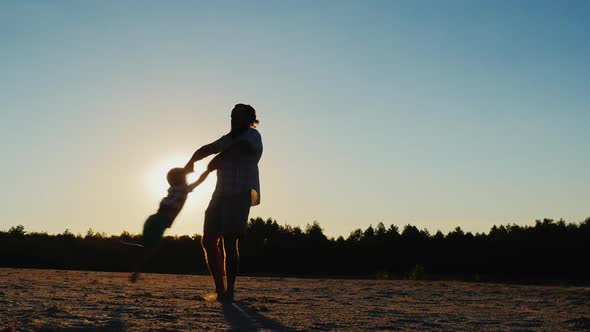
[242, 317]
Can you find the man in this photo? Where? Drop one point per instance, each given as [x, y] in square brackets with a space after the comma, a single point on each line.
[237, 188]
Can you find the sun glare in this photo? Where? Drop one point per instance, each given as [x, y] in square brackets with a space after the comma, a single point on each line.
[158, 186]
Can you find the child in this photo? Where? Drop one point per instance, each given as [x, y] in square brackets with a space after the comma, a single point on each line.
[170, 206]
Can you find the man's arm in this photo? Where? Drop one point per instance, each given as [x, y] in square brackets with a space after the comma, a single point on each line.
[236, 147]
[250, 140]
[219, 145]
[201, 153]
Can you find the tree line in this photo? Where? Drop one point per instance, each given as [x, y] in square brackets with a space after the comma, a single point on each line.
[549, 251]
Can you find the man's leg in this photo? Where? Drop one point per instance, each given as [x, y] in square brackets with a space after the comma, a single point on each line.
[214, 258]
[232, 263]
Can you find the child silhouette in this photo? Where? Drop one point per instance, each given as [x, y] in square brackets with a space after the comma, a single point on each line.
[156, 224]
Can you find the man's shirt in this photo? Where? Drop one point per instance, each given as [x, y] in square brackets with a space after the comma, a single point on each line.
[238, 168]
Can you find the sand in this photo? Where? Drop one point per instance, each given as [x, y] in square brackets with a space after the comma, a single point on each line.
[102, 301]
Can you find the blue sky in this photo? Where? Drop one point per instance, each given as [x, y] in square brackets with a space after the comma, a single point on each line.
[437, 114]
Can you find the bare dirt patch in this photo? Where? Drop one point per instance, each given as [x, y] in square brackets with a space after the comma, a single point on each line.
[101, 301]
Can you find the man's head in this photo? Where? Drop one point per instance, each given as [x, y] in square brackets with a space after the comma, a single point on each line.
[176, 176]
[243, 116]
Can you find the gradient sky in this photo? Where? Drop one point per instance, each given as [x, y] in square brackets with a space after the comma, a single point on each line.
[433, 113]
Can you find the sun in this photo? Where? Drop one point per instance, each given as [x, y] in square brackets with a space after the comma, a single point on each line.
[156, 177]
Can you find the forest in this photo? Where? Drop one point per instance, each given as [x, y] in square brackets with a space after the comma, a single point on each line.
[547, 252]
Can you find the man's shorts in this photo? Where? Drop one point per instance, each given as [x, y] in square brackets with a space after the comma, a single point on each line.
[153, 230]
[227, 214]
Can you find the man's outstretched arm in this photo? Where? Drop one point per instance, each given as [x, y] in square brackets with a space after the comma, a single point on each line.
[224, 143]
[201, 153]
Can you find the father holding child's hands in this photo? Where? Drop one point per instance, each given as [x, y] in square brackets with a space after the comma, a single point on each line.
[237, 188]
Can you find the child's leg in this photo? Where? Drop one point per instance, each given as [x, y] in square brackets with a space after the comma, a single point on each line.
[153, 231]
[147, 255]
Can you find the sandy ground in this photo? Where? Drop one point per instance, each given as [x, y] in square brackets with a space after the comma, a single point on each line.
[100, 301]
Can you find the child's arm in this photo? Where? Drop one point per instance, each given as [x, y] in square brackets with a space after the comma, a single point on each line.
[200, 180]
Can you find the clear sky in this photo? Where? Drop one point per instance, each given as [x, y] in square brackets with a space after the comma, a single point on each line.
[433, 113]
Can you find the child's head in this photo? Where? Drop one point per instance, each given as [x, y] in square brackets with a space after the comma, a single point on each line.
[176, 176]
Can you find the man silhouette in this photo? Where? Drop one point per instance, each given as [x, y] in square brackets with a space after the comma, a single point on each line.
[237, 189]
